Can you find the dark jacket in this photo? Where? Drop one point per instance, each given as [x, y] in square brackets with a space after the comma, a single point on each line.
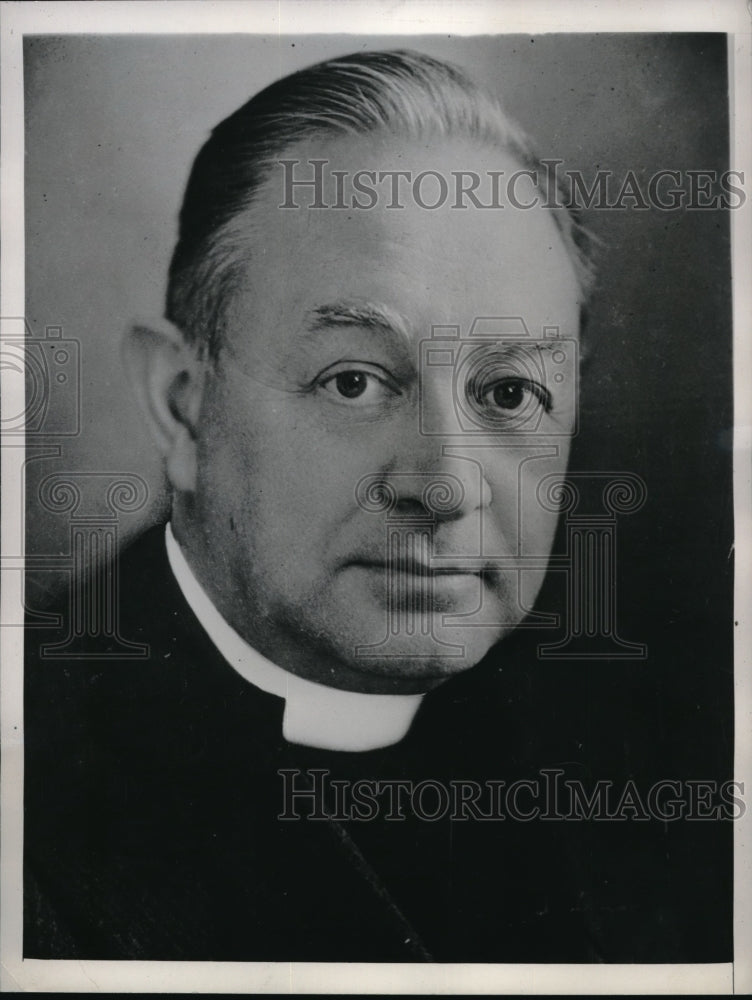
[152, 831]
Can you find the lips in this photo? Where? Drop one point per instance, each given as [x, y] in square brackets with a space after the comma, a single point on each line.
[418, 588]
[420, 573]
[440, 566]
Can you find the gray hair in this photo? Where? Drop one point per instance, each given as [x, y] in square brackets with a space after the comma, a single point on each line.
[406, 93]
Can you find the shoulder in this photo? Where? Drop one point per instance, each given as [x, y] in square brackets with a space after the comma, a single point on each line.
[120, 649]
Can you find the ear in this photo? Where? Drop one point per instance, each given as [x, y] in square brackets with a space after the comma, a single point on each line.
[167, 378]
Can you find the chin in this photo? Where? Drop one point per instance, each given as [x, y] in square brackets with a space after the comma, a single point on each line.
[434, 654]
[428, 634]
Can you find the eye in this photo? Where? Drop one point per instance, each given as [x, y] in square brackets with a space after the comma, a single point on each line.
[517, 393]
[351, 384]
[358, 386]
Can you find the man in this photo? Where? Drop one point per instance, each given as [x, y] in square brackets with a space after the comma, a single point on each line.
[356, 394]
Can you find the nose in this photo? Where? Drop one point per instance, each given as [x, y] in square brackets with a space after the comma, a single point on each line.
[430, 480]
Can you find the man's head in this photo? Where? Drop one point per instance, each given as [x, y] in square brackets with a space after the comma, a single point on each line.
[355, 486]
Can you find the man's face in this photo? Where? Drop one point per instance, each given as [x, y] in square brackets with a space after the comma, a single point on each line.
[341, 457]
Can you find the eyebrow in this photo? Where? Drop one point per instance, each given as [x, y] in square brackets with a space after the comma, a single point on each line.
[368, 315]
[382, 319]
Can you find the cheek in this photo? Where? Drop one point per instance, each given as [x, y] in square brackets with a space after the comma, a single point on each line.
[540, 514]
[283, 477]
[518, 476]
[303, 469]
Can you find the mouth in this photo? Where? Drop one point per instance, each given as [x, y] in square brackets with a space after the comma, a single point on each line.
[440, 566]
[407, 584]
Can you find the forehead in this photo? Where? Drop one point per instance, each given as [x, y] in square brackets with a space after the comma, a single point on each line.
[443, 265]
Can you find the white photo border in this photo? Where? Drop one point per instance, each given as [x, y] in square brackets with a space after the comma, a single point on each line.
[733, 17]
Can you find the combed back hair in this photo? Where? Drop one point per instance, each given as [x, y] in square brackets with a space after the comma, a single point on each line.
[402, 93]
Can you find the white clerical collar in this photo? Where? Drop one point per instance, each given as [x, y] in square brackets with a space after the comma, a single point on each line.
[315, 715]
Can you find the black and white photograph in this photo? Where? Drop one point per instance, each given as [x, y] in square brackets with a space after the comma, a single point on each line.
[376, 498]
